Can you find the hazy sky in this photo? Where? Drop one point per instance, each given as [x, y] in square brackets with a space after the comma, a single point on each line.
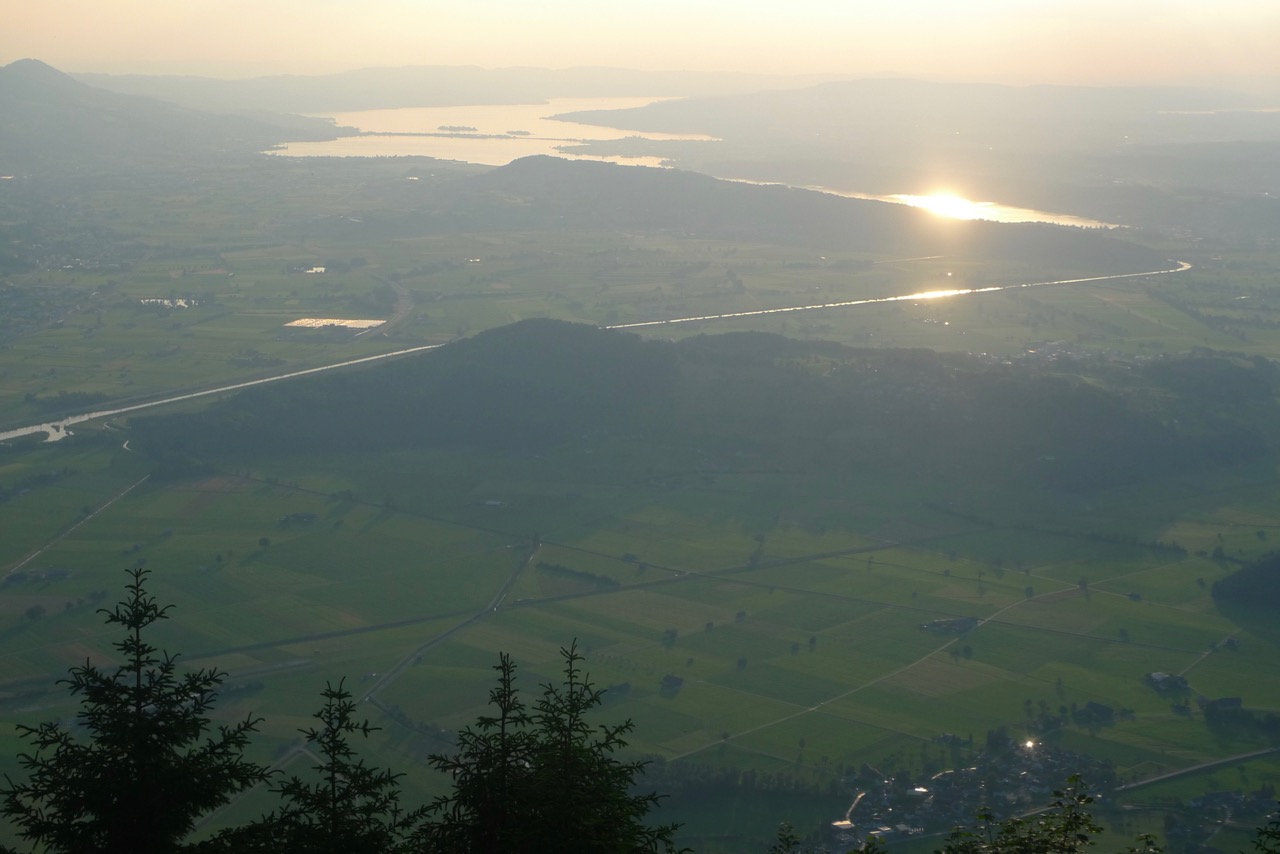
[1031, 40]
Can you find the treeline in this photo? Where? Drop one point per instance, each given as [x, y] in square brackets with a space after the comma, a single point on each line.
[1256, 584]
[579, 575]
[759, 400]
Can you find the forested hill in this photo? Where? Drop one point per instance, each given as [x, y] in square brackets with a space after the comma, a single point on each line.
[54, 122]
[753, 399]
[551, 192]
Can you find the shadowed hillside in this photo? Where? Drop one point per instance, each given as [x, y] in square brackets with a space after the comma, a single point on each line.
[54, 122]
[763, 399]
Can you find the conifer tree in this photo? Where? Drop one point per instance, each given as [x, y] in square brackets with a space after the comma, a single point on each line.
[149, 763]
[544, 780]
[346, 807]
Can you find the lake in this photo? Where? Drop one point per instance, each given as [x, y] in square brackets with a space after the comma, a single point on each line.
[487, 134]
[955, 207]
[496, 134]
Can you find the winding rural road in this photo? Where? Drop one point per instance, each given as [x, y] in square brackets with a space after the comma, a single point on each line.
[58, 429]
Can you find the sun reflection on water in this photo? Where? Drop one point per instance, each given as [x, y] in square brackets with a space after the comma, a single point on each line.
[947, 204]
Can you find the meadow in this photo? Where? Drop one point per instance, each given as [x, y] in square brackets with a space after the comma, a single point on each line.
[748, 619]
[798, 648]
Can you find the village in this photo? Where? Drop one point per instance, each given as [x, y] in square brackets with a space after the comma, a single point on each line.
[1008, 777]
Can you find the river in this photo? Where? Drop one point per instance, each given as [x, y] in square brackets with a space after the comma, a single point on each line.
[57, 430]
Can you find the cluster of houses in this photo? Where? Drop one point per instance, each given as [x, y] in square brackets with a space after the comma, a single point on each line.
[1009, 780]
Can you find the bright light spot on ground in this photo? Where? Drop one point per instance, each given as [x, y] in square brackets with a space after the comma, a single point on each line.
[320, 322]
[1029, 745]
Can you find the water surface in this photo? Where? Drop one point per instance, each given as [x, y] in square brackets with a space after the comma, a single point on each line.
[494, 135]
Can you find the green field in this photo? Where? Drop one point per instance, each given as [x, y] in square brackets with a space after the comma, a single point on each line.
[811, 660]
[790, 611]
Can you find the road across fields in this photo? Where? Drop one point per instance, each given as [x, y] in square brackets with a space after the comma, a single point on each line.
[58, 429]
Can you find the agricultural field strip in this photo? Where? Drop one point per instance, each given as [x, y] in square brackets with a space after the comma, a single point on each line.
[908, 666]
[1202, 656]
[677, 576]
[804, 710]
[77, 419]
[1129, 575]
[366, 503]
[1093, 588]
[1166, 605]
[494, 603]
[472, 617]
[1203, 766]
[690, 575]
[77, 524]
[1113, 303]
[395, 671]
[725, 576]
[330, 635]
[818, 706]
[766, 754]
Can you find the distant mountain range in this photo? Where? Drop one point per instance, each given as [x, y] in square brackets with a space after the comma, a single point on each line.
[916, 117]
[434, 86]
[51, 121]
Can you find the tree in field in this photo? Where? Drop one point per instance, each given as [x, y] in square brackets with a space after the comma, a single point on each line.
[543, 779]
[150, 763]
[346, 808]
